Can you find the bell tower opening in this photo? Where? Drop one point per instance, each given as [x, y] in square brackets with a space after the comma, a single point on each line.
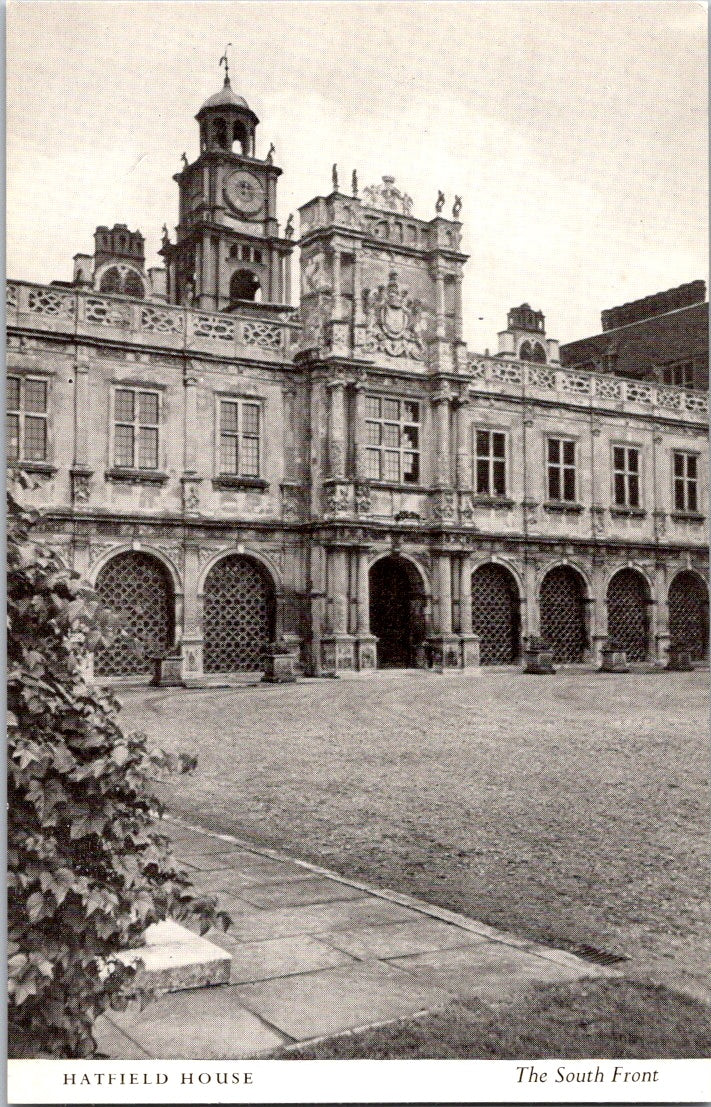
[244, 285]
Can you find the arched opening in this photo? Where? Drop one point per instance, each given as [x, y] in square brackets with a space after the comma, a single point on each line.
[111, 282]
[562, 610]
[397, 611]
[525, 352]
[114, 282]
[538, 353]
[628, 613]
[689, 614]
[244, 285]
[133, 285]
[136, 586]
[496, 615]
[238, 615]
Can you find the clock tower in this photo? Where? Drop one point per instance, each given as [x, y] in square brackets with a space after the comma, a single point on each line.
[228, 251]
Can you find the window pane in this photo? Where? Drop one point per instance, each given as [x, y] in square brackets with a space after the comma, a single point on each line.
[619, 490]
[411, 468]
[148, 448]
[13, 394]
[35, 395]
[391, 465]
[568, 484]
[679, 497]
[148, 407]
[250, 419]
[482, 478]
[618, 457]
[633, 489]
[678, 465]
[691, 466]
[482, 443]
[392, 434]
[123, 444]
[35, 438]
[411, 437]
[372, 406]
[228, 416]
[250, 457]
[499, 445]
[124, 404]
[412, 411]
[691, 498]
[391, 409]
[228, 453]
[13, 437]
[554, 483]
[372, 434]
[499, 478]
[633, 461]
[554, 449]
[569, 453]
[372, 464]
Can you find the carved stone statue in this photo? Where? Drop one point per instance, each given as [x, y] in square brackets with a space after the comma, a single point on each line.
[457, 207]
[334, 177]
[387, 197]
[440, 202]
[184, 158]
[270, 153]
[395, 321]
[354, 183]
[289, 228]
[165, 240]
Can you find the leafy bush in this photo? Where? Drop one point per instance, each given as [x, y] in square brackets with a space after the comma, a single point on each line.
[87, 870]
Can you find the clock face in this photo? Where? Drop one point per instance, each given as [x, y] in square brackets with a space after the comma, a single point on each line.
[244, 193]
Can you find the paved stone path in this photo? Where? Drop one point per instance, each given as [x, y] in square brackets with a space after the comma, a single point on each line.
[314, 954]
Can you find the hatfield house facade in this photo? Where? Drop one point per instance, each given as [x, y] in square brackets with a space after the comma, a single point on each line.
[344, 478]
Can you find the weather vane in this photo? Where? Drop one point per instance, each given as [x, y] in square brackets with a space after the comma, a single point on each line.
[224, 60]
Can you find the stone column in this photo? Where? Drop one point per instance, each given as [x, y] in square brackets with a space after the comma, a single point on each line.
[339, 590]
[464, 460]
[660, 625]
[598, 610]
[190, 428]
[363, 623]
[441, 403]
[191, 641]
[359, 430]
[458, 307]
[337, 431]
[470, 641]
[81, 471]
[287, 278]
[439, 301]
[337, 306]
[444, 567]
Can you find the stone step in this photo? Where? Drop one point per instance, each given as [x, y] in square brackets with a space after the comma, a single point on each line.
[174, 958]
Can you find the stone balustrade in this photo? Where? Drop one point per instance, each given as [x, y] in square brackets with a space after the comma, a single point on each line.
[80, 311]
[533, 380]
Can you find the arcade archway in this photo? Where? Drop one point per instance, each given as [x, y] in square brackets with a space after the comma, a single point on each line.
[397, 611]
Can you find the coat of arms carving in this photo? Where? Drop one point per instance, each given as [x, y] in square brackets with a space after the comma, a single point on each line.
[396, 321]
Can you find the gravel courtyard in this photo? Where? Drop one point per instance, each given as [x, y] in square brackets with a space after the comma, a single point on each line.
[570, 810]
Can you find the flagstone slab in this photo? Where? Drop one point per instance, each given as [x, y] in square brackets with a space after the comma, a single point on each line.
[115, 1044]
[399, 939]
[210, 862]
[315, 889]
[317, 918]
[204, 1024]
[299, 953]
[174, 957]
[489, 970]
[333, 1000]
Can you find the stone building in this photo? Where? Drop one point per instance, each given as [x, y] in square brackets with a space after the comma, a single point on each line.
[347, 478]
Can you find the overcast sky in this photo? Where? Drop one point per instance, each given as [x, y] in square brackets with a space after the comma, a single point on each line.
[576, 133]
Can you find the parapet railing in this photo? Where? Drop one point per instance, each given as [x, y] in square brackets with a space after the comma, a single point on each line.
[83, 310]
[534, 379]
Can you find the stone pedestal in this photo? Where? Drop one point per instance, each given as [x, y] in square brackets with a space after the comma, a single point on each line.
[191, 662]
[679, 660]
[469, 651]
[443, 652]
[173, 958]
[538, 662]
[337, 653]
[168, 670]
[614, 661]
[279, 664]
[366, 652]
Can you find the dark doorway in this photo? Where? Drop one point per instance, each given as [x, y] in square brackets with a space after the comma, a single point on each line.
[397, 612]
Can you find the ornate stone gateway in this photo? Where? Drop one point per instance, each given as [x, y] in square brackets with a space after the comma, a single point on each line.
[627, 615]
[238, 616]
[495, 615]
[396, 612]
[689, 614]
[562, 609]
[136, 586]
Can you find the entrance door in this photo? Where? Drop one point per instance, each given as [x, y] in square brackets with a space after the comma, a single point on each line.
[136, 586]
[396, 612]
[238, 616]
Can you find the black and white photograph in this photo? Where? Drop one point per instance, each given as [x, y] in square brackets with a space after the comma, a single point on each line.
[357, 551]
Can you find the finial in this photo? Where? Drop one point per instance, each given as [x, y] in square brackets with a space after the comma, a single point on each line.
[184, 156]
[289, 229]
[440, 201]
[457, 207]
[225, 61]
[354, 183]
[270, 153]
[334, 177]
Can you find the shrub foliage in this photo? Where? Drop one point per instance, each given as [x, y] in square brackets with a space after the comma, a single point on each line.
[88, 871]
